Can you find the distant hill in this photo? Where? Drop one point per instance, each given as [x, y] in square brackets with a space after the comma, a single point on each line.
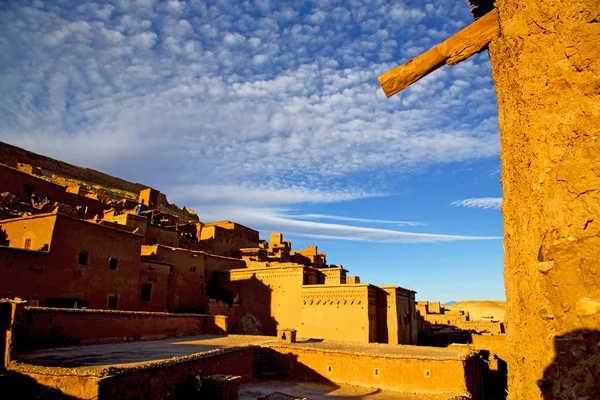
[11, 155]
[65, 174]
[450, 303]
[481, 308]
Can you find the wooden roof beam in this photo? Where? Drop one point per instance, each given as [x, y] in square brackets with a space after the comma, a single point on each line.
[462, 45]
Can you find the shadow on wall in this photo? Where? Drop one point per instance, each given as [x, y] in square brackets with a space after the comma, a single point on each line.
[271, 364]
[493, 367]
[14, 385]
[575, 370]
[257, 298]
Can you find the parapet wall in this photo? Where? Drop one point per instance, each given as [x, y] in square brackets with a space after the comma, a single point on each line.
[41, 327]
[177, 378]
[411, 374]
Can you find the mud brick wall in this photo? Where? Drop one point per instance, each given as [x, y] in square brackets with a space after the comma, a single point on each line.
[40, 327]
[546, 72]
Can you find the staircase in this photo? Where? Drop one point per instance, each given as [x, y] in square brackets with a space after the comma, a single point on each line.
[265, 366]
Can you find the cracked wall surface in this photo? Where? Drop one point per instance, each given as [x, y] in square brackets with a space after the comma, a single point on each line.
[546, 67]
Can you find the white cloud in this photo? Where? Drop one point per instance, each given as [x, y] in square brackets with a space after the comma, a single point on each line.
[481, 202]
[275, 102]
[233, 39]
[353, 219]
[279, 220]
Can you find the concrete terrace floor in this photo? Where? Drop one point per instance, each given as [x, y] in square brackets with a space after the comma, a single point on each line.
[130, 353]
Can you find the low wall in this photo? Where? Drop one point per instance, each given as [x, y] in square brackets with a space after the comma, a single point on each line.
[175, 378]
[495, 344]
[43, 327]
[452, 376]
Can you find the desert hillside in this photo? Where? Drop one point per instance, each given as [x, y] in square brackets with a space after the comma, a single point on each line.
[478, 309]
[12, 155]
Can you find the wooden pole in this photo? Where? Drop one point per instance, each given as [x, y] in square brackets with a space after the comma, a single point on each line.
[462, 45]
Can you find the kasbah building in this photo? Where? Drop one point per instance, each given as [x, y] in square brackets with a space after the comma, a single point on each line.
[113, 293]
[96, 264]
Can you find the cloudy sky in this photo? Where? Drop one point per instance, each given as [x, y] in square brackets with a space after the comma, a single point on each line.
[269, 113]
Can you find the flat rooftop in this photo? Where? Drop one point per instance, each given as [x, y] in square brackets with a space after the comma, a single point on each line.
[131, 353]
[140, 352]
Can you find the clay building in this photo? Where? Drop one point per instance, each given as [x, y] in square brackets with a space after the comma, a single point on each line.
[225, 238]
[311, 256]
[189, 274]
[24, 186]
[62, 261]
[149, 256]
[319, 303]
[435, 314]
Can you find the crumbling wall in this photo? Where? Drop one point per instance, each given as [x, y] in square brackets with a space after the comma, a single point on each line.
[546, 69]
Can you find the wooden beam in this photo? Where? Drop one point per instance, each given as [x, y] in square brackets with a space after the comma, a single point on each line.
[462, 45]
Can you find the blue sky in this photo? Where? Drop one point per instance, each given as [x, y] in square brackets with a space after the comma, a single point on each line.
[269, 113]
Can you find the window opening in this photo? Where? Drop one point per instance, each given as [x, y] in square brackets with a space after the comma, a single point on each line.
[112, 263]
[146, 292]
[83, 258]
[27, 244]
[113, 301]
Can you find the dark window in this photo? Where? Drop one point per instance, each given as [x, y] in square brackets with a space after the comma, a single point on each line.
[83, 258]
[306, 279]
[153, 240]
[146, 292]
[112, 263]
[192, 269]
[27, 244]
[112, 301]
[171, 244]
[171, 268]
[205, 273]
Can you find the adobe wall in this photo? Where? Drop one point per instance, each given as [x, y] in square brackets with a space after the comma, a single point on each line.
[158, 235]
[177, 379]
[58, 275]
[479, 326]
[546, 72]
[20, 270]
[41, 327]
[495, 344]
[339, 312]
[396, 316]
[157, 275]
[191, 271]
[12, 180]
[272, 296]
[38, 229]
[95, 282]
[135, 221]
[333, 276]
[73, 383]
[403, 374]
[224, 238]
[186, 282]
